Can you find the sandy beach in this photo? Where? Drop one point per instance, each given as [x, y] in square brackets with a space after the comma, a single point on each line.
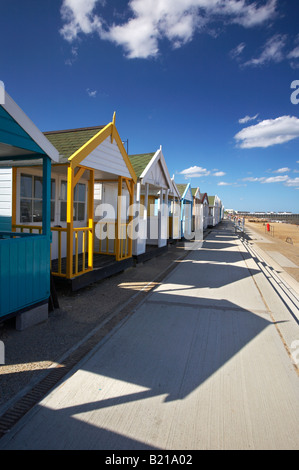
[284, 239]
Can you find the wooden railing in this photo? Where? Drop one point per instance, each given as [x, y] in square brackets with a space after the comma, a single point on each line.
[58, 271]
[85, 250]
[81, 250]
[124, 248]
[29, 228]
[106, 240]
[105, 237]
[104, 243]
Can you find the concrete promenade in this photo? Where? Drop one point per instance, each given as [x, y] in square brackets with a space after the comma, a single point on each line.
[207, 361]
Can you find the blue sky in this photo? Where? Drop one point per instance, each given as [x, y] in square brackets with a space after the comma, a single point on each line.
[209, 80]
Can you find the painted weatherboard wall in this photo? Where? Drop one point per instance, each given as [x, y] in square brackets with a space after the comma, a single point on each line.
[5, 199]
[155, 184]
[107, 157]
[186, 211]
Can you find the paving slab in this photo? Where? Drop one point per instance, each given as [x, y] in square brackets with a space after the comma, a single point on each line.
[282, 260]
[199, 365]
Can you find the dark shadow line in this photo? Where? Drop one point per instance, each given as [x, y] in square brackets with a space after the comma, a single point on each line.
[273, 286]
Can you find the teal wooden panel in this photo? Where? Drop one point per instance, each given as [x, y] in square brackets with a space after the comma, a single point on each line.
[4, 278]
[5, 224]
[12, 133]
[24, 272]
[13, 301]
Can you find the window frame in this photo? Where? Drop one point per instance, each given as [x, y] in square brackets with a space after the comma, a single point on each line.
[76, 202]
[33, 199]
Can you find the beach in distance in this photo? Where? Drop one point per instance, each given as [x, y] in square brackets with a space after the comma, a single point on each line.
[282, 238]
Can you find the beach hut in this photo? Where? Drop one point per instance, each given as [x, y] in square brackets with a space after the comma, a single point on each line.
[24, 257]
[185, 191]
[214, 210]
[92, 186]
[153, 190]
[174, 212]
[197, 213]
[204, 201]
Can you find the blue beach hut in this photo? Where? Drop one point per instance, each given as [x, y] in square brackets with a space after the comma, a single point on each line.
[24, 257]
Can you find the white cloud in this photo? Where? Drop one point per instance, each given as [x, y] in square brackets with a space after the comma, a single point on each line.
[269, 132]
[272, 51]
[285, 179]
[175, 20]
[79, 17]
[219, 173]
[252, 179]
[194, 172]
[294, 54]
[247, 118]
[292, 182]
[237, 51]
[91, 93]
[282, 170]
[223, 183]
[72, 59]
[274, 179]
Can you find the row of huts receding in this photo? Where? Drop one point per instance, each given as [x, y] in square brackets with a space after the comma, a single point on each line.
[75, 205]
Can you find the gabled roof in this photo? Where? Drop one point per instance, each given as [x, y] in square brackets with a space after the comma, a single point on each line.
[175, 191]
[69, 141]
[211, 200]
[181, 188]
[151, 168]
[195, 192]
[99, 147]
[184, 189]
[140, 162]
[203, 196]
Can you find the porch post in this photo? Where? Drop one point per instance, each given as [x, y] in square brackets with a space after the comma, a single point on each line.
[146, 201]
[160, 216]
[166, 214]
[46, 196]
[14, 199]
[129, 235]
[145, 213]
[90, 218]
[70, 222]
[118, 221]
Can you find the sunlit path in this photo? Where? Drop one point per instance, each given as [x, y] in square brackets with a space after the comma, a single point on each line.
[200, 365]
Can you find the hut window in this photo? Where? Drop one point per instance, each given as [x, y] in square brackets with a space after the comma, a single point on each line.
[79, 201]
[31, 199]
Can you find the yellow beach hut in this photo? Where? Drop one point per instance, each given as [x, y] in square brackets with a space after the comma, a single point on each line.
[92, 187]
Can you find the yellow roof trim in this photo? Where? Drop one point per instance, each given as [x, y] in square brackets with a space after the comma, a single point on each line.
[89, 146]
[125, 155]
[94, 142]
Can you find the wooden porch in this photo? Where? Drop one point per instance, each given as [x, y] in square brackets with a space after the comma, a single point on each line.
[103, 266]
